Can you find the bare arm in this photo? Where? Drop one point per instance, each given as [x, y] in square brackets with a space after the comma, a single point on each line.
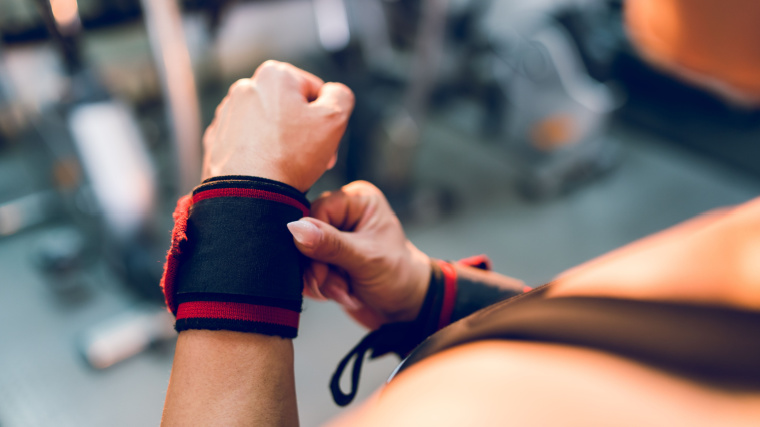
[283, 124]
[231, 379]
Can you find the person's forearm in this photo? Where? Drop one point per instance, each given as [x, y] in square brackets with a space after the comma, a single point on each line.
[225, 378]
[233, 276]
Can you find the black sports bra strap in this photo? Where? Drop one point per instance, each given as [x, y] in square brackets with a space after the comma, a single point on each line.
[707, 342]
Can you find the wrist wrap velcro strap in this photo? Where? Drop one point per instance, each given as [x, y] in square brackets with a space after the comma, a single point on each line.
[448, 299]
[401, 338]
[233, 264]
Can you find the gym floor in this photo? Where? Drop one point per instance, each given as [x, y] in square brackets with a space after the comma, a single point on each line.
[44, 382]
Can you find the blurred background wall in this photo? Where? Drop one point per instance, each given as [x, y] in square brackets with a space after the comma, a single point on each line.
[533, 131]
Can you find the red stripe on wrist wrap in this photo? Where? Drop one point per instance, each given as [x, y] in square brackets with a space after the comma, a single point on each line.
[251, 193]
[179, 235]
[232, 264]
[238, 311]
[449, 293]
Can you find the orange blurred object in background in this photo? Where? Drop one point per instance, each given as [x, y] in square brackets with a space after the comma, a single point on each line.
[714, 44]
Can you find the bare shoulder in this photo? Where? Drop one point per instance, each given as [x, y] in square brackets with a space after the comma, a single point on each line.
[519, 383]
[710, 259]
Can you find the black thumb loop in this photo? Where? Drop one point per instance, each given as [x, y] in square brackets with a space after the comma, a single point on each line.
[359, 352]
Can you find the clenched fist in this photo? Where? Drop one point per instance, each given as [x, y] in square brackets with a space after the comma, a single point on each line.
[283, 124]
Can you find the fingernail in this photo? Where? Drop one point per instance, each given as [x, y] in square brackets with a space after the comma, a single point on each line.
[305, 233]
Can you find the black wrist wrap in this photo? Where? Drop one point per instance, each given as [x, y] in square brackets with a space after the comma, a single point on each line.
[233, 264]
[448, 299]
[399, 338]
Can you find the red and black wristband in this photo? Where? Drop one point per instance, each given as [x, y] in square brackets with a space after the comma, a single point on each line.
[233, 264]
[450, 296]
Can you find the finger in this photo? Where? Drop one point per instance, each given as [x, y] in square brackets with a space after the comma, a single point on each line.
[347, 208]
[323, 242]
[311, 283]
[336, 289]
[333, 161]
[334, 99]
[333, 208]
[320, 272]
[307, 292]
[308, 84]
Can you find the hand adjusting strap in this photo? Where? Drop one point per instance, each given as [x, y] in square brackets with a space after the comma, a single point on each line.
[232, 264]
[448, 299]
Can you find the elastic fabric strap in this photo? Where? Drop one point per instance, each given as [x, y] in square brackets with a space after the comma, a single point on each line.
[232, 264]
[401, 338]
[389, 338]
[357, 353]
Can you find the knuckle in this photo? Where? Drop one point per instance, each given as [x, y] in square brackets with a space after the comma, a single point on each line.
[272, 69]
[269, 64]
[347, 92]
[239, 87]
[374, 257]
[277, 73]
[318, 204]
[353, 187]
[333, 203]
[368, 186]
[334, 113]
[362, 187]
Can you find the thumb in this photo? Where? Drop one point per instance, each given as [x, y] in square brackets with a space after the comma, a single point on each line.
[335, 98]
[323, 242]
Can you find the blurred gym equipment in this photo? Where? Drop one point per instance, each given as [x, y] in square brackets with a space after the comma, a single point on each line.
[420, 56]
[107, 167]
[171, 56]
[114, 198]
[389, 54]
[528, 91]
[558, 115]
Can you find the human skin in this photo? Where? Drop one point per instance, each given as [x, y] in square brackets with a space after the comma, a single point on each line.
[229, 378]
[362, 259]
[364, 262]
[513, 383]
[283, 124]
[709, 260]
